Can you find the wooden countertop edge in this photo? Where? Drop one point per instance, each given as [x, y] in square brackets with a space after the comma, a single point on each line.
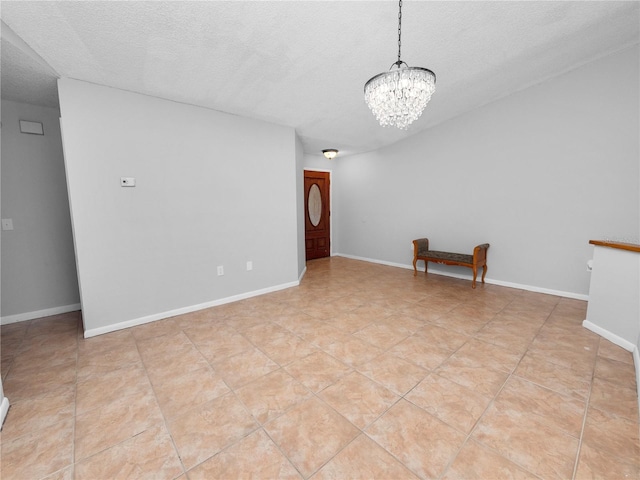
[631, 247]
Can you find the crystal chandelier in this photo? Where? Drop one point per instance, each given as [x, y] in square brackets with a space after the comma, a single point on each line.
[399, 96]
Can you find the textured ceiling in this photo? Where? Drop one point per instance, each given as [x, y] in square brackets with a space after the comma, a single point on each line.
[304, 63]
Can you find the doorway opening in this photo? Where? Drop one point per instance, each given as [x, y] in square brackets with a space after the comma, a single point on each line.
[317, 213]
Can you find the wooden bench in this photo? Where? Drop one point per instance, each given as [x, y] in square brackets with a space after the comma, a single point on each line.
[478, 259]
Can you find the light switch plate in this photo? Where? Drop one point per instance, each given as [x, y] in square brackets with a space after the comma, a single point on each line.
[34, 128]
[127, 182]
[7, 224]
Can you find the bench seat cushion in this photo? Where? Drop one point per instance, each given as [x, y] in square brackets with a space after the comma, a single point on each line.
[452, 257]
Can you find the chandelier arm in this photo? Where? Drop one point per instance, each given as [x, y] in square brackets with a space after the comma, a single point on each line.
[398, 64]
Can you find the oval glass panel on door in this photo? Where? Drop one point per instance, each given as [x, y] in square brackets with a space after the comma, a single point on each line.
[316, 204]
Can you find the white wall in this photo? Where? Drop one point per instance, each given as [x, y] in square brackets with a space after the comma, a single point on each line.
[536, 174]
[319, 162]
[38, 266]
[212, 189]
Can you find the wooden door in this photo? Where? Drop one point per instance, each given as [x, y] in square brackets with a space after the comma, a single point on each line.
[317, 214]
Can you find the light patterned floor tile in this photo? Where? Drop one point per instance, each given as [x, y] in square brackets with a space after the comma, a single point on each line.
[524, 439]
[351, 322]
[382, 335]
[621, 373]
[407, 432]
[310, 434]
[204, 431]
[99, 361]
[595, 463]
[180, 393]
[481, 379]
[22, 385]
[414, 349]
[148, 455]
[255, 456]
[614, 352]
[38, 453]
[220, 346]
[270, 396]
[478, 353]
[317, 371]
[454, 404]
[244, 367]
[395, 373]
[358, 399]
[287, 348]
[155, 329]
[475, 462]
[101, 390]
[352, 350]
[35, 413]
[554, 409]
[535, 368]
[614, 398]
[104, 427]
[363, 459]
[612, 435]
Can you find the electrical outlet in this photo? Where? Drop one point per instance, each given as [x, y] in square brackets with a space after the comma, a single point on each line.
[249, 265]
[220, 270]
[7, 224]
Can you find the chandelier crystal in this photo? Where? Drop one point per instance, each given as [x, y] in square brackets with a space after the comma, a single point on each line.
[399, 96]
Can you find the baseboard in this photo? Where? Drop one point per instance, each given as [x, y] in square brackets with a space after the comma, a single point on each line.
[372, 260]
[181, 311]
[302, 274]
[612, 337]
[519, 286]
[4, 408]
[47, 312]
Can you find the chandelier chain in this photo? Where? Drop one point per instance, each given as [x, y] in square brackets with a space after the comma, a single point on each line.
[399, 31]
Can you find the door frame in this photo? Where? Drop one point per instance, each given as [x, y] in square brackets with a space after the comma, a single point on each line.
[330, 172]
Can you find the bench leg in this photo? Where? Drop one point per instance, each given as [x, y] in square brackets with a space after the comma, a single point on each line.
[484, 272]
[475, 273]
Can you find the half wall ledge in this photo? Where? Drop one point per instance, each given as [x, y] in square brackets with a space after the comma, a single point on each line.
[613, 311]
[614, 293]
[631, 247]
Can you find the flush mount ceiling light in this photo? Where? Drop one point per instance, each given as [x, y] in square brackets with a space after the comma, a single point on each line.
[399, 96]
[330, 153]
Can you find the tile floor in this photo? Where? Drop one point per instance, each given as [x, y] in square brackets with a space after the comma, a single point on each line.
[363, 371]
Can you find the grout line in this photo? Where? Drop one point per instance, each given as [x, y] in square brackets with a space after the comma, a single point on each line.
[586, 411]
[75, 399]
[155, 395]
